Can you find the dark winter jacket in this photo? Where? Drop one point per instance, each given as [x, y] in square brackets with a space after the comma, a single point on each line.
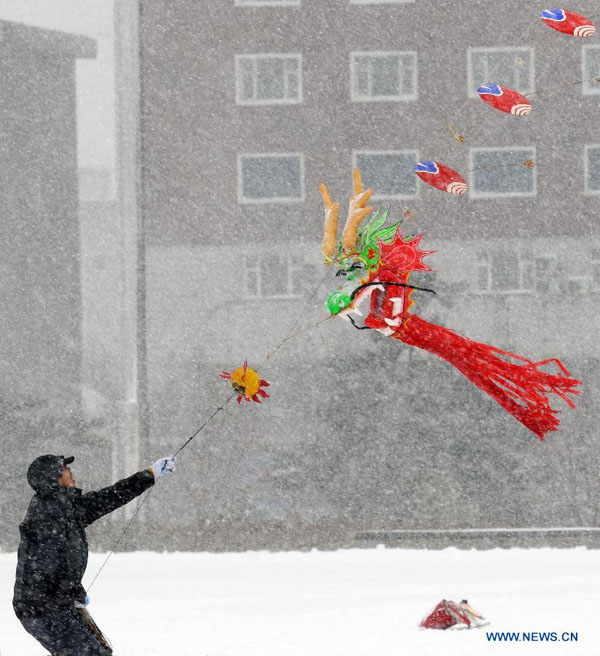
[53, 551]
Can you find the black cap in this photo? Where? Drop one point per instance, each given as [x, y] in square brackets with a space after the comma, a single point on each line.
[43, 473]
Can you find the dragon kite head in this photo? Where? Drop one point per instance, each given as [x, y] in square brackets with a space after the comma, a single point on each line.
[372, 257]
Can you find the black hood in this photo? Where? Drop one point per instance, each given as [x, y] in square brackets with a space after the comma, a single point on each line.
[44, 472]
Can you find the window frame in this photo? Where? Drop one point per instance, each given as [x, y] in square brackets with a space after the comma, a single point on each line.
[586, 90]
[483, 261]
[474, 194]
[553, 259]
[586, 284]
[278, 199]
[255, 266]
[383, 53]
[375, 195]
[586, 168]
[472, 86]
[267, 55]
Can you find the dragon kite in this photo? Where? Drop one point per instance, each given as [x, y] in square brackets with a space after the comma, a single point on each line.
[376, 261]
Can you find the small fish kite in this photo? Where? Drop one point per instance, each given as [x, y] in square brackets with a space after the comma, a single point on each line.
[247, 383]
[441, 177]
[568, 22]
[377, 261]
[504, 99]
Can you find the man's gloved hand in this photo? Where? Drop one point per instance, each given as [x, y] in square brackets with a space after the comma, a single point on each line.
[163, 466]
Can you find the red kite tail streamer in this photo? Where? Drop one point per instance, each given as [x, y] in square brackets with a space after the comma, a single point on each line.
[520, 386]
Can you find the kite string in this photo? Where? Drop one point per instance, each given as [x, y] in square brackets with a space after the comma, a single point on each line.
[289, 335]
[110, 553]
[417, 203]
[564, 86]
[492, 70]
[461, 139]
[298, 317]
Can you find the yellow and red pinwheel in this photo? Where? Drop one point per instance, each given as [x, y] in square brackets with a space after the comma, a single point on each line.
[247, 383]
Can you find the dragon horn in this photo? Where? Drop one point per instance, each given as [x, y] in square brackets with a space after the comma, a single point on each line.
[331, 222]
[356, 212]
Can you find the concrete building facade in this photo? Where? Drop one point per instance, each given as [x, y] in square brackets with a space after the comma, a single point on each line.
[40, 291]
[246, 107]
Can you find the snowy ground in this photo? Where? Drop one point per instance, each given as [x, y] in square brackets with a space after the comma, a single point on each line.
[345, 603]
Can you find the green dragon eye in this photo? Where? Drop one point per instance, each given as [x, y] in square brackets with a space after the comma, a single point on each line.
[337, 301]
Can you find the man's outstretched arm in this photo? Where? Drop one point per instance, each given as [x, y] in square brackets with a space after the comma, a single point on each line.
[97, 504]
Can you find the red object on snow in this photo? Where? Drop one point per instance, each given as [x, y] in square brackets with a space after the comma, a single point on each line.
[445, 615]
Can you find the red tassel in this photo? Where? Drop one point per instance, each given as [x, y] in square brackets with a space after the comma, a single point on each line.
[519, 386]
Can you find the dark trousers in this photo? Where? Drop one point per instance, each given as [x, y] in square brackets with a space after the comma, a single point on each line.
[66, 632]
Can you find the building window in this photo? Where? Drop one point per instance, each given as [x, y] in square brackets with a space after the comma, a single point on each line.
[516, 271]
[384, 76]
[577, 285]
[264, 178]
[276, 276]
[590, 63]
[389, 173]
[592, 169]
[502, 271]
[502, 172]
[510, 67]
[268, 79]
[267, 3]
[545, 270]
[484, 273]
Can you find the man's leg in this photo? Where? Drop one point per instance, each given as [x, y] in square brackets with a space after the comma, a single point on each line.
[65, 633]
[43, 629]
[83, 638]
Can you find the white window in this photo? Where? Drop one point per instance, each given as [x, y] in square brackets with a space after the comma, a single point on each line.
[509, 67]
[264, 178]
[502, 172]
[277, 276]
[383, 76]
[267, 3]
[517, 271]
[505, 271]
[592, 169]
[267, 79]
[545, 272]
[590, 63]
[577, 285]
[389, 173]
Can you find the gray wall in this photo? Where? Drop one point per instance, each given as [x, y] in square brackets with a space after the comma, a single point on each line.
[40, 289]
[360, 432]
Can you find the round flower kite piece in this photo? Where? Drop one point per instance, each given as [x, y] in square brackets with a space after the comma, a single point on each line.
[568, 22]
[505, 99]
[247, 383]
